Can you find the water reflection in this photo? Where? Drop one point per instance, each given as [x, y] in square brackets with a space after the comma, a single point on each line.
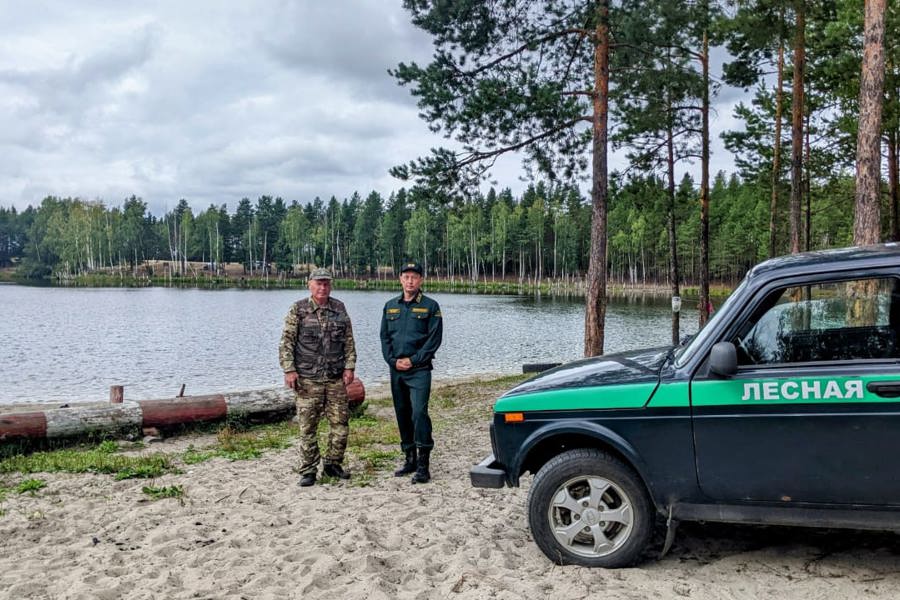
[70, 345]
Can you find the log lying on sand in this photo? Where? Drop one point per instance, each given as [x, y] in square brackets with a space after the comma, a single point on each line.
[131, 415]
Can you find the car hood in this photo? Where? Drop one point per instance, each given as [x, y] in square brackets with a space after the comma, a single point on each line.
[639, 366]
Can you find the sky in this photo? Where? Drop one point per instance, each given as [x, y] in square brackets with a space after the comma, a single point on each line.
[214, 101]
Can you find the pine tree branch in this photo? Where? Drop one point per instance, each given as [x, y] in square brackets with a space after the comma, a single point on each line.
[524, 47]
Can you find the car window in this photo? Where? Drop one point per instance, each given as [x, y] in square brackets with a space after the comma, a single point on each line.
[844, 320]
[683, 354]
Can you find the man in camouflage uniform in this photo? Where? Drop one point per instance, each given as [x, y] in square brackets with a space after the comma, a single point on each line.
[318, 356]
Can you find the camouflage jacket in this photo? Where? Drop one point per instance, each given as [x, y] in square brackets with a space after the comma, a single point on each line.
[317, 341]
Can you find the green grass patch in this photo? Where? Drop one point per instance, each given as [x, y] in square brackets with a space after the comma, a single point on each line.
[108, 446]
[244, 443]
[168, 491]
[98, 459]
[367, 430]
[193, 456]
[30, 486]
[250, 444]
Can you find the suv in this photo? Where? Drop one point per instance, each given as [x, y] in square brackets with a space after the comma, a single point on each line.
[784, 409]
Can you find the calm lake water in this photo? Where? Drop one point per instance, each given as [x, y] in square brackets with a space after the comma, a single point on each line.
[71, 344]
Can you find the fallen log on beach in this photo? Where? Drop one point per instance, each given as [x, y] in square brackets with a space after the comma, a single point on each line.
[122, 416]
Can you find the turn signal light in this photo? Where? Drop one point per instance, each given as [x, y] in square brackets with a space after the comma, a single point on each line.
[513, 417]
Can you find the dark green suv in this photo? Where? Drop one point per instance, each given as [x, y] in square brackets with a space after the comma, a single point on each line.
[784, 409]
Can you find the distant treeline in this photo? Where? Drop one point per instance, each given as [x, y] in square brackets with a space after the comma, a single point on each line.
[544, 234]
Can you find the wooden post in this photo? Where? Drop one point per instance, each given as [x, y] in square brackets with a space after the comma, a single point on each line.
[116, 394]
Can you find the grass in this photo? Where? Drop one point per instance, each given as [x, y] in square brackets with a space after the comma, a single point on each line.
[30, 486]
[374, 443]
[247, 443]
[168, 491]
[103, 458]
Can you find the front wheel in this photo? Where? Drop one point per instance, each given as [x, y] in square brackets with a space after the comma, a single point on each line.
[588, 508]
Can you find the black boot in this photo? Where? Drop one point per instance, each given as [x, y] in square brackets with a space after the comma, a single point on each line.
[409, 465]
[308, 480]
[423, 475]
[335, 470]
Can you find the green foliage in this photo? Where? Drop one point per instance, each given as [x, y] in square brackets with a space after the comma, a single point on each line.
[192, 456]
[503, 79]
[30, 486]
[108, 447]
[94, 460]
[168, 491]
[250, 444]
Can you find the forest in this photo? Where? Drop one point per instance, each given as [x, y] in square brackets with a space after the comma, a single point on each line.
[544, 234]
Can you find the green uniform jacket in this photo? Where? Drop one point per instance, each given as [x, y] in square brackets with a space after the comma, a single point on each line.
[411, 329]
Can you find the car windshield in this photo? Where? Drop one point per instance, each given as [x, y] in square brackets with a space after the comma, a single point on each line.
[684, 353]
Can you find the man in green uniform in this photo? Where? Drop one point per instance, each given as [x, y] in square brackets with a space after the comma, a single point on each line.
[318, 356]
[411, 329]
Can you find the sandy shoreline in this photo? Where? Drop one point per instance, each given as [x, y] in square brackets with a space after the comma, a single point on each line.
[246, 530]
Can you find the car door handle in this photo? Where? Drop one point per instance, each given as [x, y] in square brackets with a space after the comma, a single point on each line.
[885, 389]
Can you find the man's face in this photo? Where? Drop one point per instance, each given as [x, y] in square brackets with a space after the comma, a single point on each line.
[320, 290]
[411, 282]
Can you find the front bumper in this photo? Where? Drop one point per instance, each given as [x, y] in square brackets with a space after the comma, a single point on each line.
[488, 474]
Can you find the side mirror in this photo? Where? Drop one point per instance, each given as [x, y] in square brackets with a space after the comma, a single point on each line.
[723, 359]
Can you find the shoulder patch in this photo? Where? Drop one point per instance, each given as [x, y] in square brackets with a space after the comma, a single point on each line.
[393, 311]
[438, 314]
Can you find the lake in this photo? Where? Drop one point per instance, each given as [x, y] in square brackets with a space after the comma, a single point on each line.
[70, 344]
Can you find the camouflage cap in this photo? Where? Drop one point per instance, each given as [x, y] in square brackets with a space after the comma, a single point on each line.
[412, 266]
[320, 274]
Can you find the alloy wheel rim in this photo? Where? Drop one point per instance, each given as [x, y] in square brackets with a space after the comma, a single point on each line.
[590, 516]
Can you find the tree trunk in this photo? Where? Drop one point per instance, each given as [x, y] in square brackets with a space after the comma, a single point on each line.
[704, 189]
[595, 309]
[893, 176]
[673, 242]
[867, 219]
[776, 152]
[797, 123]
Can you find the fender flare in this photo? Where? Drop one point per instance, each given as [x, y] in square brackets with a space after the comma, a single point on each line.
[592, 430]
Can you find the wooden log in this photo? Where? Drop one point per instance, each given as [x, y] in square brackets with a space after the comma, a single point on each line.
[111, 418]
[116, 394]
[259, 401]
[188, 409]
[118, 417]
[22, 425]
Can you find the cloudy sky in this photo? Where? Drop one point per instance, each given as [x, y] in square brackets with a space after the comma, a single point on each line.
[212, 101]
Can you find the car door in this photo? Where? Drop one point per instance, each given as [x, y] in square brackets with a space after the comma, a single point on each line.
[813, 413]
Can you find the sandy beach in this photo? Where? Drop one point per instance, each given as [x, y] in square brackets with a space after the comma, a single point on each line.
[244, 529]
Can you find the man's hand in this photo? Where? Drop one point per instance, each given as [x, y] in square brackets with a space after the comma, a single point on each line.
[404, 364]
[290, 380]
[348, 376]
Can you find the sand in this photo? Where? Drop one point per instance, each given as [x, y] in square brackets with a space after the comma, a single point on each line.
[246, 530]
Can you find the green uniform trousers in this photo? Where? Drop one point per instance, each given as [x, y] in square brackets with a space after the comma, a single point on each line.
[411, 390]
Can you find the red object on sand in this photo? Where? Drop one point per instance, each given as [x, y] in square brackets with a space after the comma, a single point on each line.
[356, 393]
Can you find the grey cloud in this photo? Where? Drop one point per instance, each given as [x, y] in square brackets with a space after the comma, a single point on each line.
[81, 75]
[345, 46]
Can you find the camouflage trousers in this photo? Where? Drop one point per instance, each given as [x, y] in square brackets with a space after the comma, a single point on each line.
[315, 399]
